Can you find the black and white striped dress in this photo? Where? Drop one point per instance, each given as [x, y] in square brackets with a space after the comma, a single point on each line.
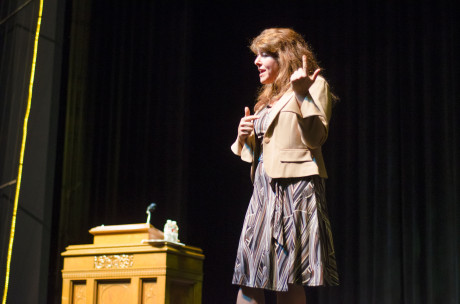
[286, 236]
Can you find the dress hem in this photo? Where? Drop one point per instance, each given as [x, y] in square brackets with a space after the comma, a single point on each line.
[284, 290]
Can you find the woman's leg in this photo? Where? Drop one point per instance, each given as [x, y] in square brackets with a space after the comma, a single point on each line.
[248, 295]
[294, 295]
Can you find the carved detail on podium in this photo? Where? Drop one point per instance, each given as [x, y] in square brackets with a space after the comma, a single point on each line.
[113, 261]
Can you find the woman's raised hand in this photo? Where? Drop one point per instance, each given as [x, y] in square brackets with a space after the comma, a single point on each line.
[246, 125]
[301, 81]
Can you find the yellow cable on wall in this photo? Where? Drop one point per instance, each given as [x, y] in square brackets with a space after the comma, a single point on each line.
[21, 157]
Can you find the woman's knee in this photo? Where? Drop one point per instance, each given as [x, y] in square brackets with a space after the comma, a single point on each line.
[251, 295]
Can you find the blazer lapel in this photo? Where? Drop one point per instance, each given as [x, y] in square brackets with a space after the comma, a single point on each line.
[278, 106]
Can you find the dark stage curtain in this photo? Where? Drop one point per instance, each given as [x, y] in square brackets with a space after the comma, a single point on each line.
[125, 120]
[154, 106]
[393, 153]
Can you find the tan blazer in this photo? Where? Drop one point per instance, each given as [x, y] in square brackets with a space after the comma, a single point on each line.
[292, 143]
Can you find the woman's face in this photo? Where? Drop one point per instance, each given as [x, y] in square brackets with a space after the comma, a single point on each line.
[268, 68]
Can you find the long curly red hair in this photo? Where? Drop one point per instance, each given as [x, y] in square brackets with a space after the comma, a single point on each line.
[287, 47]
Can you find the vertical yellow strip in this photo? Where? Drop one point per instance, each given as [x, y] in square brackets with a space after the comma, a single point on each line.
[21, 158]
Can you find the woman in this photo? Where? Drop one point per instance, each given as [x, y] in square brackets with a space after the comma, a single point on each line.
[286, 240]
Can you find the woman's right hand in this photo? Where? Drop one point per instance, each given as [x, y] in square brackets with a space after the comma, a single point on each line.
[246, 125]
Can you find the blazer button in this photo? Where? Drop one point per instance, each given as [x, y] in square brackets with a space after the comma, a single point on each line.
[266, 140]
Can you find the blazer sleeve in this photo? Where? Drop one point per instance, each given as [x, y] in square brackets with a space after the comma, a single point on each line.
[247, 151]
[316, 112]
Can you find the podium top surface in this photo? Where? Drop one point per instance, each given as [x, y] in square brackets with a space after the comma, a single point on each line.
[130, 238]
[117, 229]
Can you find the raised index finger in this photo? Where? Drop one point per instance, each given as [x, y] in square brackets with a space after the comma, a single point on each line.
[304, 64]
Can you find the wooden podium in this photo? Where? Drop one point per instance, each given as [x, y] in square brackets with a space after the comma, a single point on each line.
[131, 264]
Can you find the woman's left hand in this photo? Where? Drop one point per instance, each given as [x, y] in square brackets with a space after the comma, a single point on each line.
[301, 81]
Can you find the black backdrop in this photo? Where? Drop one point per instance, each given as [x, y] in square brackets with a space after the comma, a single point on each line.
[154, 109]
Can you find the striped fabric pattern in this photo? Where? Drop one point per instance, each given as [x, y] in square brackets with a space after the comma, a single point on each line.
[286, 236]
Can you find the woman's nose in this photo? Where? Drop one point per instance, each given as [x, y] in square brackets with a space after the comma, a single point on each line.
[257, 61]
